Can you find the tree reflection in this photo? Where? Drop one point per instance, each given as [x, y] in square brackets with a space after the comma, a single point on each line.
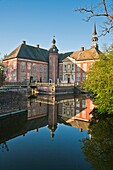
[99, 148]
[4, 147]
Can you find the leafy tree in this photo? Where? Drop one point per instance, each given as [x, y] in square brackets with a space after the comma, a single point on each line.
[100, 82]
[99, 148]
[100, 8]
[2, 76]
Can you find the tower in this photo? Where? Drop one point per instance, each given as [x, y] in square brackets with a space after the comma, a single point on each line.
[53, 62]
[95, 38]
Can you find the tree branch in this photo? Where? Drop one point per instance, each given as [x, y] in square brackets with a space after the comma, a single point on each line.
[92, 13]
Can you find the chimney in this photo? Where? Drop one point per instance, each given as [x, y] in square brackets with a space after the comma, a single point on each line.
[37, 46]
[82, 49]
[23, 42]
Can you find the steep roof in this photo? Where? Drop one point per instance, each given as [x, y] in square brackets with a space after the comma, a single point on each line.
[25, 51]
[62, 56]
[90, 54]
[29, 52]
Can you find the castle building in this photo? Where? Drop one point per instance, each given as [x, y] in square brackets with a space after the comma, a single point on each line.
[42, 65]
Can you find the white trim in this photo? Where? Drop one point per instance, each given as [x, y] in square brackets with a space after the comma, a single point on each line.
[84, 61]
[13, 59]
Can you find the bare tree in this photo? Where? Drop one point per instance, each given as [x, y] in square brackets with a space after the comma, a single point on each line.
[102, 9]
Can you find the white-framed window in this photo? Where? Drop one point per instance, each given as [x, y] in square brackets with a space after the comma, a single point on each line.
[78, 103]
[72, 112]
[78, 76]
[23, 66]
[60, 76]
[83, 103]
[65, 67]
[65, 77]
[73, 67]
[28, 75]
[29, 66]
[14, 75]
[45, 76]
[40, 68]
[84, 76]
[68, 66]
[34, 67]
[72, 77]
[45, 68]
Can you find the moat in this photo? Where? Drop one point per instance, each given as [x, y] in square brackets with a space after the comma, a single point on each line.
[49, 136]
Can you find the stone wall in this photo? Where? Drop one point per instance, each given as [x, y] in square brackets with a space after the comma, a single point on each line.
[11, 101]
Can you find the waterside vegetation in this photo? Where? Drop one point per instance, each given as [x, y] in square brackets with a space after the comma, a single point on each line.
[100, 82]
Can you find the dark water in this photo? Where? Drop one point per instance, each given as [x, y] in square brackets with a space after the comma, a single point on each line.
[49, 137]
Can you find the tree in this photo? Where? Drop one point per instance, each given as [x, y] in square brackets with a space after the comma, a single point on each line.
[2, 76]
[102, 9]
[100, 82]
[99, 148]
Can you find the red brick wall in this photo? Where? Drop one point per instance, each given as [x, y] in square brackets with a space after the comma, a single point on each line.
[53, 67]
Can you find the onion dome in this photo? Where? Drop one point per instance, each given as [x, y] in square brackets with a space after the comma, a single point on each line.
[53, 48]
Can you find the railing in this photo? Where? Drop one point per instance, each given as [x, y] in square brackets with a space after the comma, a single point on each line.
[45, 84]
[65, 84]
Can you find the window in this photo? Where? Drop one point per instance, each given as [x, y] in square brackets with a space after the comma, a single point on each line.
[78, 103]
[78, 77]
[60, 77]
[68, 66]
[73, 67]
[64, 67]
[34, 67]
[45, 68]
[65, 77]
[40, 67]
[83, 103]
[28, 75]
[28, 66]
[23, 66]
[45, 76]
[14, 75]
[72, 77]
[84, 76]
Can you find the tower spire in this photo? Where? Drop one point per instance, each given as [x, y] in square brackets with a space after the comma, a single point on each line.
[95, 32]
[94, 38]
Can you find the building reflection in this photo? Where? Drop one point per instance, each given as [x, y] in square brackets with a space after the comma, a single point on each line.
[48, 111]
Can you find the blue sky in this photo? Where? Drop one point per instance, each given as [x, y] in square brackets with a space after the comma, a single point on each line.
[37, 21]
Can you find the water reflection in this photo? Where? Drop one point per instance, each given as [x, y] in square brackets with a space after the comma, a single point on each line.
[52, 117]
[71, 111]
[48, 110]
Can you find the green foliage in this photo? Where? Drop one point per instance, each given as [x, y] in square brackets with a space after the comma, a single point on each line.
[99, 149]
[2, 76]
[100, 82]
